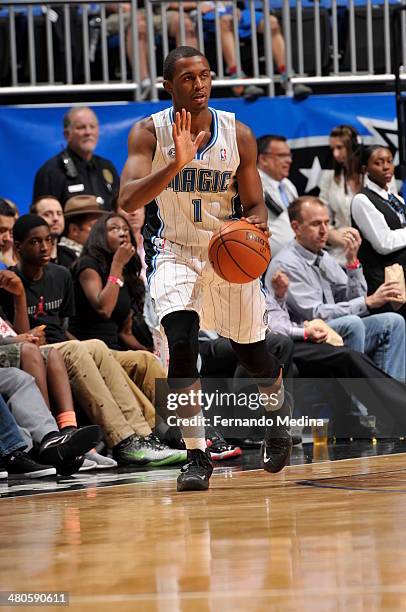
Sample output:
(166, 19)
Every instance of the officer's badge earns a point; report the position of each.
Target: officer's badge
(108, 176)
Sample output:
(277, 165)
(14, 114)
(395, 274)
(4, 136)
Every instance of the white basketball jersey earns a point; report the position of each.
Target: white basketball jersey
(203, 195)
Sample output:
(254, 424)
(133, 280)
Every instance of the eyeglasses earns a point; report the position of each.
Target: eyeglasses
(278, 155)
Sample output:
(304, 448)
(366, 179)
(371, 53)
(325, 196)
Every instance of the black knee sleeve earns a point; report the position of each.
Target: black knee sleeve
(182, 331)
(256, 359)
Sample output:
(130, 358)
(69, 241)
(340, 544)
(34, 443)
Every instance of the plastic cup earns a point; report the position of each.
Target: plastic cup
(320, 432)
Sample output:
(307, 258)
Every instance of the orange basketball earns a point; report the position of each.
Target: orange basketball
(239, 252)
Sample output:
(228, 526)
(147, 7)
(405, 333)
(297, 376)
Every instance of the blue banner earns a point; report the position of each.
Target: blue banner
(31, 135)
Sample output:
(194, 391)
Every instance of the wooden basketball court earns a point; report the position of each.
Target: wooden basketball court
(320, 536)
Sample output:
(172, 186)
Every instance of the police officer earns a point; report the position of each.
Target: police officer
(77, 170)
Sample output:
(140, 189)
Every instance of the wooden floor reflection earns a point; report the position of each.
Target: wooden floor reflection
(323, 536)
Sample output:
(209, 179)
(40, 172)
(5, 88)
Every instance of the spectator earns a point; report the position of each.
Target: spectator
(173, 19)
(274, 162)
(77, 169)
(8, 216)
(338, 186)
(107, 285)
(47, 369)
(136, 219)
(320, 289)
(12, 446)
(380, 216)
(81, 213)
(103, 389)
(113, 28)
(62, 449)
(173, 25)
(314, 358)
(245, 32)
(50, 209)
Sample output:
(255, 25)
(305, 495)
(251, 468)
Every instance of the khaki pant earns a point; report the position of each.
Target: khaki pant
(105, 392)
(143, 370)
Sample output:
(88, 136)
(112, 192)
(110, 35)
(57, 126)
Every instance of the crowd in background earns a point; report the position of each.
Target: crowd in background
(79, 335)
(116, 22)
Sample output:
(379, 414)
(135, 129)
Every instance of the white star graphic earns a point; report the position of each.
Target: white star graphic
(382, 132)
(313, 174)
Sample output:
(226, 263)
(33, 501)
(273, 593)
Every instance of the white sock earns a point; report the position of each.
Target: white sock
(276, 402)
(193, 443)
(195, 435)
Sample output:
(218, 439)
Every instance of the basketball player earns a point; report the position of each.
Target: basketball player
(184, 165)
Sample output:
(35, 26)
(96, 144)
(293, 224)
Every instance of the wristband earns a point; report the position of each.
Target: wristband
(115, 280)
(353, 266)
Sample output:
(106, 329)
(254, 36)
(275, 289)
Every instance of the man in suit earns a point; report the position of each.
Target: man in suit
(274, 162)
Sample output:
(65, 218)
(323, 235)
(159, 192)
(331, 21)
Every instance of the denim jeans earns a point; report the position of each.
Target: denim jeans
(380, 336)
(10, 438)
(27, 405)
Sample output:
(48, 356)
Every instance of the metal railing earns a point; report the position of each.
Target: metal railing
(50, 47)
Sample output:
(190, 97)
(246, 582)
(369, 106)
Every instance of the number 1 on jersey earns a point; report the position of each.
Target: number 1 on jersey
(197, 211)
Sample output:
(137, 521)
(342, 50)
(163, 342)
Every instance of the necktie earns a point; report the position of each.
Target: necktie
(397, 206)
(328, 297)
(283, 194)
(318, 260)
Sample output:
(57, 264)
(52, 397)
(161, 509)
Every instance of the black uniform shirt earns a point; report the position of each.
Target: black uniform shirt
(96, 177)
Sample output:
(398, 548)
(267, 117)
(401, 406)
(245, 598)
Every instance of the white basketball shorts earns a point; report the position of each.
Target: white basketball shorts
(183, 279)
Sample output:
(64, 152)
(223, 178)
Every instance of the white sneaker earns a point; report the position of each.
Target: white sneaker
(102, 462)
(88, 465)
(3, 474)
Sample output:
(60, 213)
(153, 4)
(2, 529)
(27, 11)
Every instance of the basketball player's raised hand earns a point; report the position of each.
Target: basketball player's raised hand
(186, 145)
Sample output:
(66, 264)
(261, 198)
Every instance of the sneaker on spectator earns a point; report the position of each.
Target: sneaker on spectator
(252, 92)
(219, 449)
(128, 452)
(102, 462)
(3, 473)
(88, 465)
(158, 453)
(64, 449)
(238, 90)
(298, 91)
(20, 464)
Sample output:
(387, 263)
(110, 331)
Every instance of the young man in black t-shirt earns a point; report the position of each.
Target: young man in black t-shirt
(50, 209)
(99, 382)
